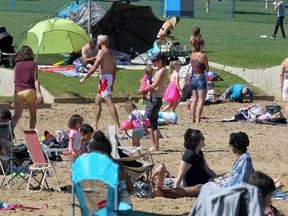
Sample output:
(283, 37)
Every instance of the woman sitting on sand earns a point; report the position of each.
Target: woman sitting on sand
(242, 167)
(194, 139)
(193, 168)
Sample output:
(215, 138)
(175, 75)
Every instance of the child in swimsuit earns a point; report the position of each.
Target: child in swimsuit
(135, 115)
(147, 81)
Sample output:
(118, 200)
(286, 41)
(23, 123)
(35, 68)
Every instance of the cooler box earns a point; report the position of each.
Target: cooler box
(180, 8)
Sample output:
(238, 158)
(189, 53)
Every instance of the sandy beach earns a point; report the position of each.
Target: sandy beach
(268, 149)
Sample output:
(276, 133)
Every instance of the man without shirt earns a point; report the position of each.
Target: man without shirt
(89, 53)
(106, 63)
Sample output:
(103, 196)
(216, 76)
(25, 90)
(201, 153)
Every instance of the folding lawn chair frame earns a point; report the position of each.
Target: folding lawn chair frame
(7, 143)
(135, 172)
(5, 177)
(40, 159)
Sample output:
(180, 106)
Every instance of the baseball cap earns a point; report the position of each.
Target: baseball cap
(158, 56)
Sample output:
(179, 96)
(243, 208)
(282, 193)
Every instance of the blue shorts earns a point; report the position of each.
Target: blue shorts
(139, 132)
(153, 106)
(198, 83)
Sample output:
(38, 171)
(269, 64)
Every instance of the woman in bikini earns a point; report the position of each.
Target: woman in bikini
(154, 104)
(166, 30)
(199, 62)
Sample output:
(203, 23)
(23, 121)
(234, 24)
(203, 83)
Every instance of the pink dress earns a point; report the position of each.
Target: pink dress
(172, 92)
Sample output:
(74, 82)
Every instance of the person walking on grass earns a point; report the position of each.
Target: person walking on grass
(107, 64)
(280, 6)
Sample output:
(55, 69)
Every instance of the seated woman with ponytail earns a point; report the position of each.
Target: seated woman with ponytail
(242, 167)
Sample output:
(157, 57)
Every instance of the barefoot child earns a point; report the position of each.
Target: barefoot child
(173, 91)
(75, 122)
(135, 115)
(146, 81)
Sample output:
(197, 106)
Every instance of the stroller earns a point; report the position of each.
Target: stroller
(6, 48)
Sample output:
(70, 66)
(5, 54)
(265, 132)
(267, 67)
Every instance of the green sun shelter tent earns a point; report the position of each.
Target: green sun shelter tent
(54, 36)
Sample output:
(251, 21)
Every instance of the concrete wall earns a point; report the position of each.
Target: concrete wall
(7, 86)
(6, 82)
(267, 79)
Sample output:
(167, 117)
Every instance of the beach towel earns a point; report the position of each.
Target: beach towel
(6, 207)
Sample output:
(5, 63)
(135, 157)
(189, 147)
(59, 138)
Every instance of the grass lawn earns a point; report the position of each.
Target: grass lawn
(234, 43)
(126, 85)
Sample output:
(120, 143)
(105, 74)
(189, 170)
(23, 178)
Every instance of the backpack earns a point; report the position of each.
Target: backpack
(52, 143)
(53, 156)
(62, 138)
(21, 152)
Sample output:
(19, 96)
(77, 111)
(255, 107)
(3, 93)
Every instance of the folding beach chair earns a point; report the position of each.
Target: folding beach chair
(136, 166)
(5, 135)
(13, 165)
(91, 173)
(41, 162)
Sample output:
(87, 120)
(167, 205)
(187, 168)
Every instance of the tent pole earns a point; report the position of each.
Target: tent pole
(140, 57)
(89, 18)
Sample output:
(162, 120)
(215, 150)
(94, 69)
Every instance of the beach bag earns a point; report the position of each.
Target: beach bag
(276, 114)
(52, 143)
(21, 152)
(273, 108)
(53, 156)
(169, 117)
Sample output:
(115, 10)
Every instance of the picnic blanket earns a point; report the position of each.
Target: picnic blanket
(69, 70)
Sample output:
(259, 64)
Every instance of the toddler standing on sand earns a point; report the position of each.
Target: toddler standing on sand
(173, 91)
(75, 122)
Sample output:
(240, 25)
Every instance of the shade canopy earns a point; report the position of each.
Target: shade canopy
(54, 36)
(131, 29)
